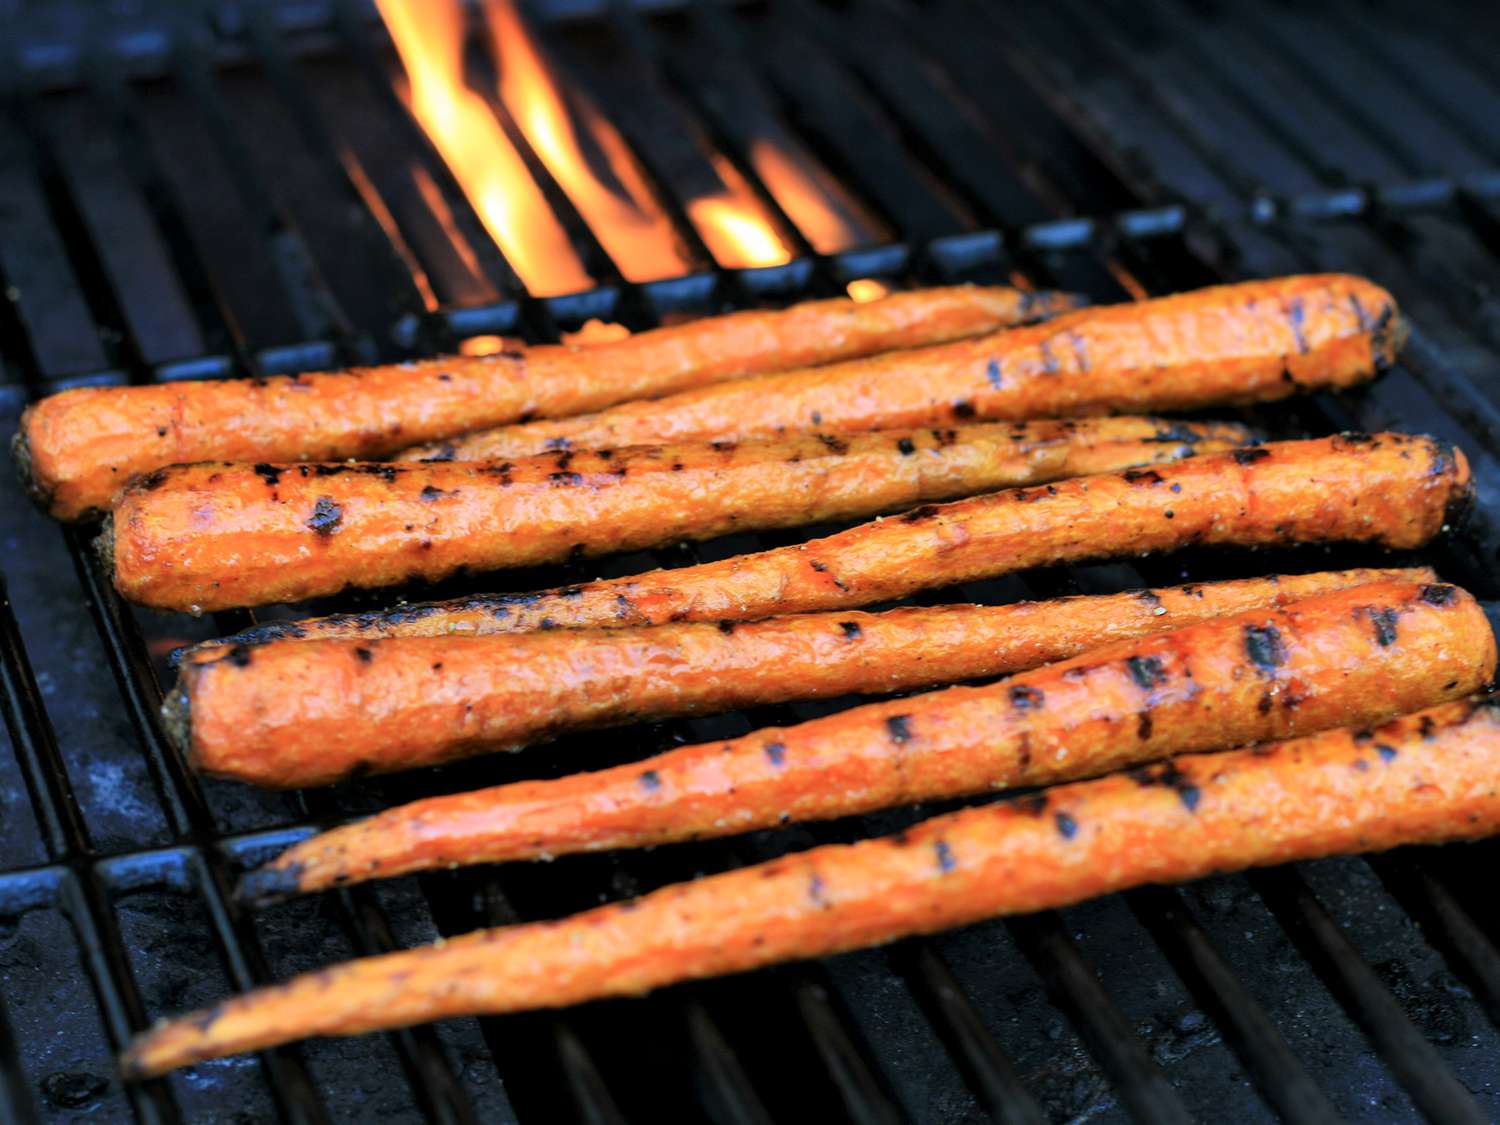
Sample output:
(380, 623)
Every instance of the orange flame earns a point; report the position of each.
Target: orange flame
(734, 225)
(625, 217)
(809, 203)
(429, 37)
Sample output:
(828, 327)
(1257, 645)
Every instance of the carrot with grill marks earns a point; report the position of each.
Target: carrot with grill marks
(416, 701)
(1391, 489)
(1425, 778)
(215, 535)
(1253, 342)
(77, 449)
(1353, 656)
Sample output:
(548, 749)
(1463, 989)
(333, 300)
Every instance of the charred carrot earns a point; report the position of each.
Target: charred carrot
(1390, 489)
(1353, 656)
(215, 535)
(1422, 779)
(1253, 342)
(77, 448)
(416, 701)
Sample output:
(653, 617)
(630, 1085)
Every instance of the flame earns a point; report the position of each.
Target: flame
(625, 217)
(429, 37)
(736, 236)
(734, 225)
(864, 289)
(808, 203)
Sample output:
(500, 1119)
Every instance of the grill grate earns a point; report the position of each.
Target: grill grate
(239, 191)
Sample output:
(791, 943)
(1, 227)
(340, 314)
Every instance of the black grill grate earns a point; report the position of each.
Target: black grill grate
(237, 190)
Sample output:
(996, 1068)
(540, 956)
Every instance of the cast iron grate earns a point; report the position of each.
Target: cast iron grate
(236, 190)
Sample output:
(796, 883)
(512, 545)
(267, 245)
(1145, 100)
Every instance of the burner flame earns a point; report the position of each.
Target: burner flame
(429, 36)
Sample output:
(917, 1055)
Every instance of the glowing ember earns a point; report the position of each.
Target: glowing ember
(486, 345)
(864, 289)
(429, 37)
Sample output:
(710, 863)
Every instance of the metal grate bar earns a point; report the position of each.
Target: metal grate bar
(66, 837)
(852, 136)
(16, 1102)
(188, 811)
(941, 130)
(183, 800)
(403, 275)
(440, 1095)
(1445, 922)
(731, 1096)
(862, 1095)
(1076, 989)
(984, 1062)
(589, 1091)
(313, 304)
(591, 1095)
(1276, 1070)
(1437, 1093)
(117, 104)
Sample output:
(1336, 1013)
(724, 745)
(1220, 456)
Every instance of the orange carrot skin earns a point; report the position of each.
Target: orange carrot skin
(1426, 778)
(1253, 342)
(1391, 489)
(78, 448)
(216, 535)
(1353, 656)
(406, 702)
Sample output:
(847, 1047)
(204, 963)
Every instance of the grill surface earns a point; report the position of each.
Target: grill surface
(239, 191)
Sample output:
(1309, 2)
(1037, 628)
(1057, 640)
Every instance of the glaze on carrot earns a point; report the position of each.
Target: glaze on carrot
(376, 706)
(1390, 489)
(1426, 778)
(216, 535)
(1350, 657)
(1253, 342)
(77, 449)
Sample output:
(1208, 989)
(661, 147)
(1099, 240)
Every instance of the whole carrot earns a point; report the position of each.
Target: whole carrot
(215, 535)
(416, 701)
(77, 448)
(1353, 656)
(1253, 342)
(1391, 489)
(1422, 779)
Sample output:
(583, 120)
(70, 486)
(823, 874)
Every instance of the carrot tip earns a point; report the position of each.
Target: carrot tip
(266, 886)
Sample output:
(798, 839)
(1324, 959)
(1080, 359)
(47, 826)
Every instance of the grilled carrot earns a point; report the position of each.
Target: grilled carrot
(1353, 656)
(1253, 342)
(1421, 779)
(416, 701)
(1390, 489)
(79, 447)
(218, 534)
